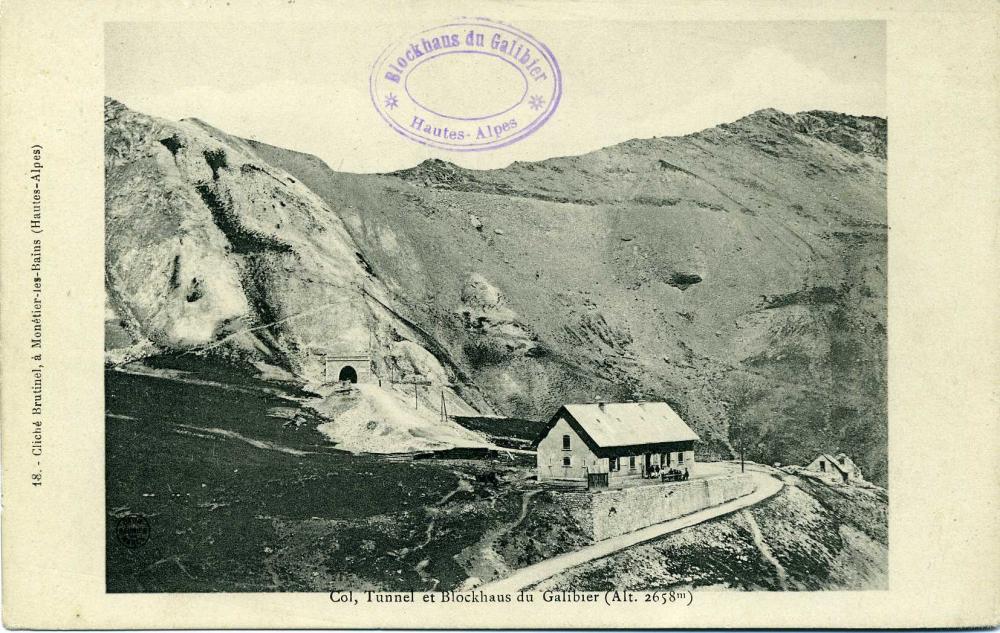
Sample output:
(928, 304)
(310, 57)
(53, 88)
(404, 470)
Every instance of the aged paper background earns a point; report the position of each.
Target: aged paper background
(943, 337)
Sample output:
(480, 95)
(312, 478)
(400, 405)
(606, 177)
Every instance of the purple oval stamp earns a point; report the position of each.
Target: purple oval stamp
(470, 85)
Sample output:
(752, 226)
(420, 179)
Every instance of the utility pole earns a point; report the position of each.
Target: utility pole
(741, 442)
(737, 431)
(416, 381)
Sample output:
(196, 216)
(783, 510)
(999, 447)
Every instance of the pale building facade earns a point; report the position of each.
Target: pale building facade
(840, 468)
(620, 441)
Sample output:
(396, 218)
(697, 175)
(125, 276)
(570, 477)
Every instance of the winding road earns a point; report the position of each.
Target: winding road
(765, 486)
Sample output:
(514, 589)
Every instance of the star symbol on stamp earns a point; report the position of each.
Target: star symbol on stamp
(537, 102)
(391, 101)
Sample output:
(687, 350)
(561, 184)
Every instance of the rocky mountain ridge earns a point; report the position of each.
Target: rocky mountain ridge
(737, 272)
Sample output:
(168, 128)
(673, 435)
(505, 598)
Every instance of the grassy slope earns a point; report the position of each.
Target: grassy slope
(229, 516)
(786, 231)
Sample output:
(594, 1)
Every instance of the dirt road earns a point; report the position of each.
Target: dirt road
(765, 486)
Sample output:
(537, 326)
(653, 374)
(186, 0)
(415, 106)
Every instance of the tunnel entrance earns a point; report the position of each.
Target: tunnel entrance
(348, 374)
(355, 368)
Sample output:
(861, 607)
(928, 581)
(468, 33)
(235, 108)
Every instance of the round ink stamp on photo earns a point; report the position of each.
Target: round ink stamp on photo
(470, 85)
(132, 530)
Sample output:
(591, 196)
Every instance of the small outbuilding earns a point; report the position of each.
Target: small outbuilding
(840, 468)
(608, 443)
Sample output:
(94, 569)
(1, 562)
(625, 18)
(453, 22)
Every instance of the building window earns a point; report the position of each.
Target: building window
(666, 459)
(566, 442)
(567, 461)
(822, 467)
(680, 457)
(613, 464)
(631, 462)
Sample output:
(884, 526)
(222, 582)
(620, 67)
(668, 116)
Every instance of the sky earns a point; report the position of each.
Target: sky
(304, 86)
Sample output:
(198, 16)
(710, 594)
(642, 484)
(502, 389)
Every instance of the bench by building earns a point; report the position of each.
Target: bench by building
(609, 444)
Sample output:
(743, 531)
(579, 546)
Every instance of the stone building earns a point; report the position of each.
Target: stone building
(840, 468)
(609, 444)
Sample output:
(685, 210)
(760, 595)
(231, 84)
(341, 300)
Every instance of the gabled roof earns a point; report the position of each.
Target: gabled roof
(626, 423)
(833, 460)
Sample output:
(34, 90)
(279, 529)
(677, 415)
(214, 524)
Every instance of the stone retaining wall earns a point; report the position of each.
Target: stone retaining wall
(613, 512)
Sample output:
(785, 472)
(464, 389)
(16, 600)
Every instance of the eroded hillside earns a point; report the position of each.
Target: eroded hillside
(213, 253)
(738, 272)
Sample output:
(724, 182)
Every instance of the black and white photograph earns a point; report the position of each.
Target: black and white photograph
(480, 310)
(481, 315)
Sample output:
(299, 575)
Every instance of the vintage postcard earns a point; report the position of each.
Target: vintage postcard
(489, 315)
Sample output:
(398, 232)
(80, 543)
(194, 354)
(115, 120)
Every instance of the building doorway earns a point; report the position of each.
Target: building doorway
(349, 374)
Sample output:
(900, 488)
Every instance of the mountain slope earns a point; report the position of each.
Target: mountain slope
(738, 272)
(213, 252)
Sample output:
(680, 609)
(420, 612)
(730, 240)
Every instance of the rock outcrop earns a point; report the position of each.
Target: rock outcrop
(212, 251)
